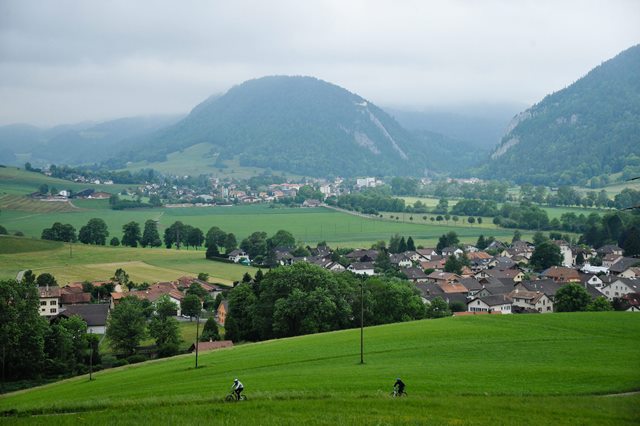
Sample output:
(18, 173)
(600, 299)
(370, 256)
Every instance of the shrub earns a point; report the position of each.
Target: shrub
(136, 358)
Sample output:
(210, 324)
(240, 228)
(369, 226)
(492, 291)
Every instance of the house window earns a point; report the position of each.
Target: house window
(43, 303)
(478, 302)
(53, 310)
(52, 302)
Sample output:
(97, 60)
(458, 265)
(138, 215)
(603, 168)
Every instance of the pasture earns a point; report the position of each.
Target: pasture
(511, 369)
(83, 262)
(309, 226)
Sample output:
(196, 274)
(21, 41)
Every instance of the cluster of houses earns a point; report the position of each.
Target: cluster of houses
(72, 299)
(499, 283)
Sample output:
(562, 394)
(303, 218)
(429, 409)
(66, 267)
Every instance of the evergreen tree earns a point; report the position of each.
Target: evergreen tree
(481, 244)
(130, 234)
(411, 246)
(210, 331)
(402, 247)
(150, 235)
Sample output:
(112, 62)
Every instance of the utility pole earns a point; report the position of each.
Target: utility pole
(197, 337)
(361, 322)
(91, 357)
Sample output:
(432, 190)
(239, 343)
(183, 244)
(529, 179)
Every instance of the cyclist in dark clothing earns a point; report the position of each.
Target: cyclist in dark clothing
(399, 386)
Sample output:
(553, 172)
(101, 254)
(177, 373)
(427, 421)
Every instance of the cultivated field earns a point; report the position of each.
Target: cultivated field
(513, 369)
(309, 226)
(83, 262)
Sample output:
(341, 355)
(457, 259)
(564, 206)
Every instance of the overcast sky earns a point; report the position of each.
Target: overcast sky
(70, 61)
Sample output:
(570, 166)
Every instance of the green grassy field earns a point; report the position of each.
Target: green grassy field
(553, 212)
(199, 159)
(526, 369)
(308, 226)
(85, 262)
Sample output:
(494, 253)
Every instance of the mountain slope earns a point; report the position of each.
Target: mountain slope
(590, 129)
(300, 125)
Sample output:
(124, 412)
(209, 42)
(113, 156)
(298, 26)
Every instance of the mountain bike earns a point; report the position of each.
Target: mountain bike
(232, 397)
(398, 394)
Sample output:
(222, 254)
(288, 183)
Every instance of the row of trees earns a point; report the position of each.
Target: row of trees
(304, 298)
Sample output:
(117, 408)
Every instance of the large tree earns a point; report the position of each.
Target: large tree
(163, 327)
(571, 298)
(94, 232)
(126, 325)
(195, 237)
(215, 236)
(131, 234)
(191, 305)
(150, 235)
(175, 234)
(282, 238)
(545, 255)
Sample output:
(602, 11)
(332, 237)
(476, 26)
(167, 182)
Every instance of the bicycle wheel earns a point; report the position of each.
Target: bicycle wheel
(230, 398)
(243, 397)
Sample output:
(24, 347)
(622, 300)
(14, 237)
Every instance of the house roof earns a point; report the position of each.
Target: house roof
(561, 273)
(94, 314)
(478, 255)
(209, 346)
(453, 287)
(548, 287)
(73, 298)
(49, 291)
(429, 290)
(360, 253)
(446, 276)
(623, 264)
(471, 284)
(494, 300)
(361, 266)
(414, 273)
(503, 273)
(609, 248)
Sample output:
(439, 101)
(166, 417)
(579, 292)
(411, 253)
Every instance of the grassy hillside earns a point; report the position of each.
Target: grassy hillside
(528, 369)
(18, 181)
(85, 262)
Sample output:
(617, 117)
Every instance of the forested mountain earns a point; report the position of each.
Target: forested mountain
(301, 125)
(579, 135)
(74, 144)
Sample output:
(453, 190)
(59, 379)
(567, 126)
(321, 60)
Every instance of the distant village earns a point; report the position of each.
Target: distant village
(492, 284)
